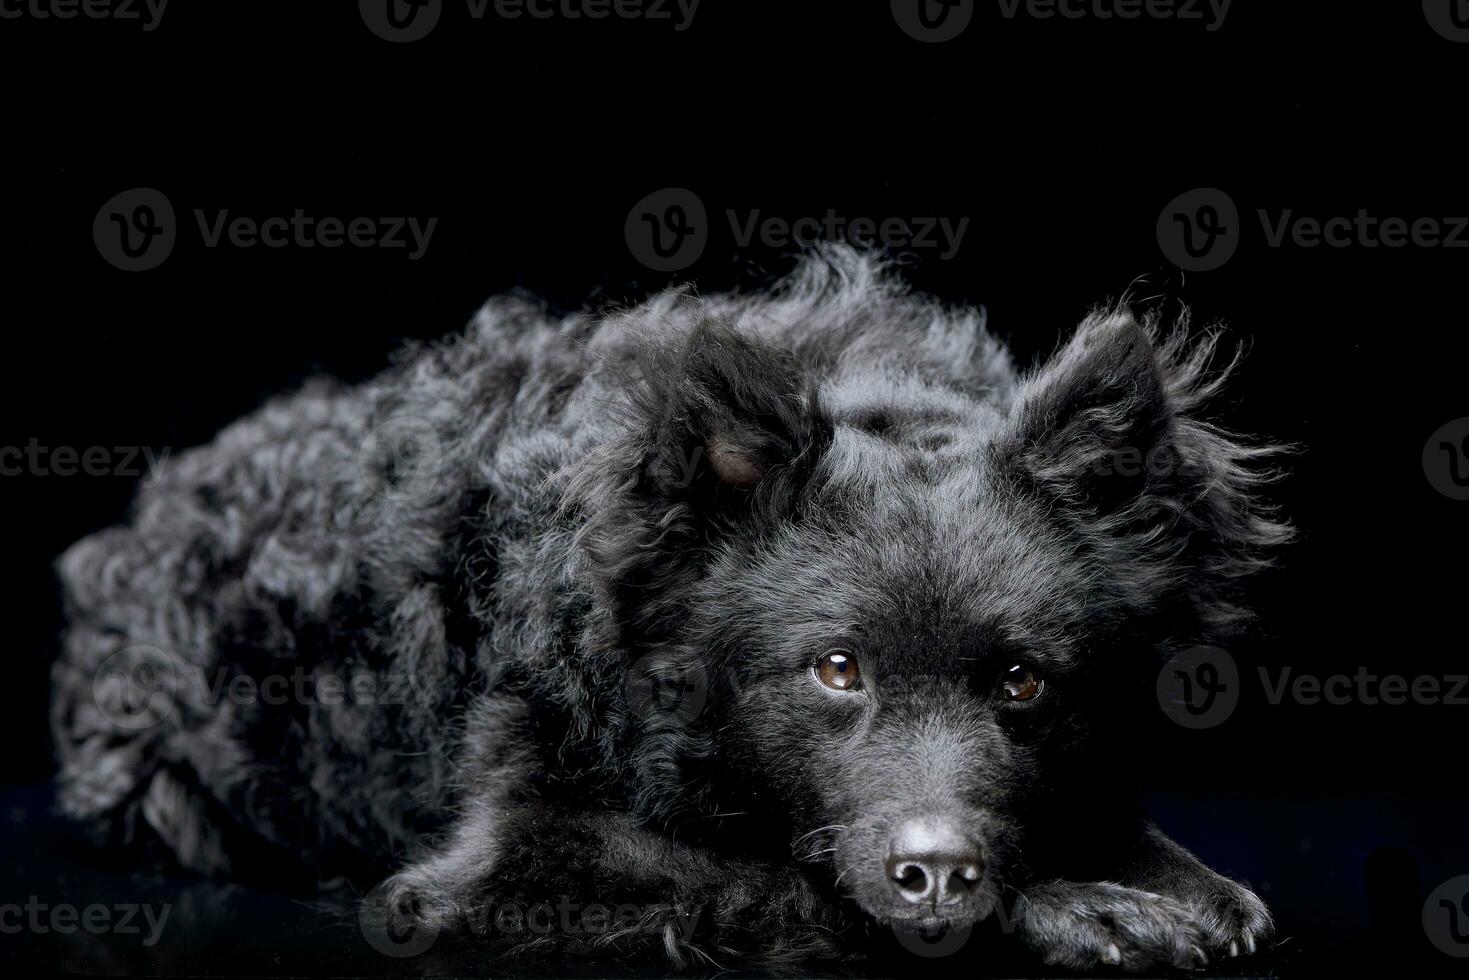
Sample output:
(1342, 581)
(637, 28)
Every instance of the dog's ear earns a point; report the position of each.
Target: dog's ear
(1110, 435)
(729, 427)
(722, 432)
(1093, 422)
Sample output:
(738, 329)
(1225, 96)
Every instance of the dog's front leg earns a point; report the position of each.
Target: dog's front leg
(1077, 925)
(1161, 907)
(1233, 919)
(540, 877)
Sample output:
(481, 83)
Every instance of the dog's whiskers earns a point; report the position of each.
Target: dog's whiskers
(813, 833)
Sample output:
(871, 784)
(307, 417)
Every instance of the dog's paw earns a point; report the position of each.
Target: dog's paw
(1233, 918)
(1078, 926)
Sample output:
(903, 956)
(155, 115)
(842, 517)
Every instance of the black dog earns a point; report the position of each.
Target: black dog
(773, 618)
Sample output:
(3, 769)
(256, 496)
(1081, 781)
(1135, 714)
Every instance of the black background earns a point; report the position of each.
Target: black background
(1061, 141)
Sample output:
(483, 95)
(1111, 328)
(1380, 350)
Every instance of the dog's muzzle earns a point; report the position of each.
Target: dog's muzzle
(934, 865)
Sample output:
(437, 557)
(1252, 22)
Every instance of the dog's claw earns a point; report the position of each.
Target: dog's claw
(1201, 958)
(1250, 942)
(1234, 947)
(1112, 955)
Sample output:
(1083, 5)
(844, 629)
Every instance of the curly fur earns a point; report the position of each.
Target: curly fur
(652, 490)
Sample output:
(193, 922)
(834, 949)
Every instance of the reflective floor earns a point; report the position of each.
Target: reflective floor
(1347, 879)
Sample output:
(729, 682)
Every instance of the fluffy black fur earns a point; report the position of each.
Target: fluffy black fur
(588, 567)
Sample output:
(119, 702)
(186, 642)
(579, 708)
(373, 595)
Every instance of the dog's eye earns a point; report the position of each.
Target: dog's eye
(1020, 683)
(837, 669)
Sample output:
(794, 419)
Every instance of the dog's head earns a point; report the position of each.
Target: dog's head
(903, 610)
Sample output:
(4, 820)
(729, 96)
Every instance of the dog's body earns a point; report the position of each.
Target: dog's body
(576, 610)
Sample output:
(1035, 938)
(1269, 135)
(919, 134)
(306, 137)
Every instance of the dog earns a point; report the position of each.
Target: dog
(786, 619)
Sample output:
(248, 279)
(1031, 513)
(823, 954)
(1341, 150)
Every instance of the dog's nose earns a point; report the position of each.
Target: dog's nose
(932, 861)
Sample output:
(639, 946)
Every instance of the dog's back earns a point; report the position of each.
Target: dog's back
(322, 536)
